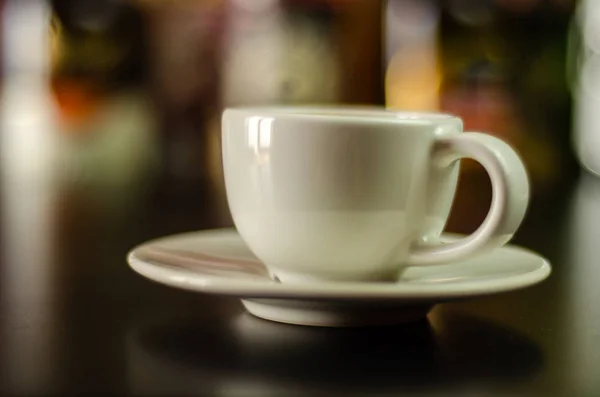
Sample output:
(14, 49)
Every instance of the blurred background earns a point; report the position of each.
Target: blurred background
(114, 105)
(110, 135)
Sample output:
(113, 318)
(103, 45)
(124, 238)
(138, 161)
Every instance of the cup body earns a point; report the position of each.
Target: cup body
(335, 193)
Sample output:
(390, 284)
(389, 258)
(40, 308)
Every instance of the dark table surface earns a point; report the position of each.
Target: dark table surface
(74, 319)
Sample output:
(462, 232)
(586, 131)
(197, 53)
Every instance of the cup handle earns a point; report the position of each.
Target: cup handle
(510, 196)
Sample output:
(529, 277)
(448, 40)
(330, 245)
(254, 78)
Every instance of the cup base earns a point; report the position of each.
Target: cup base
(285, 277)
(323, 314)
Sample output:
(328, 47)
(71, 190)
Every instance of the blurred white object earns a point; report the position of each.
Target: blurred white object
(581, 287)
(27, 112)
(28, 199)
(585, 60)
(271, 56)
(26, 38)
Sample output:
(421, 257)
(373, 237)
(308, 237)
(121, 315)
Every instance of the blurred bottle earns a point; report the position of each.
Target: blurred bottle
(276, 55)
(207, 55)
(295, 52)
(184, 48)
(98, 74)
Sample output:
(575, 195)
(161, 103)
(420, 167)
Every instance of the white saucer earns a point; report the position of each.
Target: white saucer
(219, 262)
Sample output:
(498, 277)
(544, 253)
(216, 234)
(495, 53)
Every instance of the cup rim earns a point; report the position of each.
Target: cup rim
(343, 112)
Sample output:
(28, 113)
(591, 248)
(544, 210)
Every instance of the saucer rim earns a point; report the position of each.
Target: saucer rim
(260, 287)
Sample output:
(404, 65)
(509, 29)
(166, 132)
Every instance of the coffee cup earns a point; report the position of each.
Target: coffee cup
(359, 193)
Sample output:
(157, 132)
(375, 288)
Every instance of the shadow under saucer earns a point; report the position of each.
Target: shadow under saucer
(263, 357)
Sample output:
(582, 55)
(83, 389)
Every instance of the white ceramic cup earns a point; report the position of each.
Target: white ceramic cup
(356, 194)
